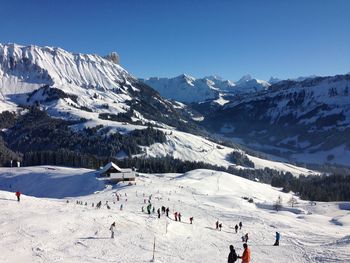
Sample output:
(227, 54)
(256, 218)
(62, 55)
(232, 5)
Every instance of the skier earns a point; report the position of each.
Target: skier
(167, 211)
(158, 211)
(232, 257)
(240, 225)
(245, 238)
(246, 254)
(175, 214)
(112, 228)
(18, 194)
(149, 209)
(163, 209)
(179, 215)
(220, 226)
(98, 205)
(121, 207)
(236, 228)
(191, 220)
(217, 225)
(277, 242)
(154, 209)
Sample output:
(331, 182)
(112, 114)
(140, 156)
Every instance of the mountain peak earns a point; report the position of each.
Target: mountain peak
(113, 57)
(274, 80)
(214, 78)
(245, 78)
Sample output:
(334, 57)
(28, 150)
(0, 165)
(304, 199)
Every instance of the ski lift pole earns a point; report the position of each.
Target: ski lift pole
(154, 248)
(166, 226)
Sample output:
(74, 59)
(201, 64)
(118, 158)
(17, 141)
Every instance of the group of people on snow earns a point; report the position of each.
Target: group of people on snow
(240, 227)
(232, 256)
(218, 225)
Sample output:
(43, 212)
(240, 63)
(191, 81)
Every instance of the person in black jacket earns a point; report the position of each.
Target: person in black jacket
(232, 257)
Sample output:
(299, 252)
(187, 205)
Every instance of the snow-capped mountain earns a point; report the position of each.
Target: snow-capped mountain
(184, 88)
(74, 86)
(247, 84)
(307, 120)
(221, 84)
(187, 89)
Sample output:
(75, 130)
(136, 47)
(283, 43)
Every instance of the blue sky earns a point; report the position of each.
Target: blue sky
(281, 38)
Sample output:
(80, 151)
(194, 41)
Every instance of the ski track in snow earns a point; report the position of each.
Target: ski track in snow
(51, 230)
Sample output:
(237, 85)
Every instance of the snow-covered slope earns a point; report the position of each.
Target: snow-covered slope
(194, 148)
(51, 181)
(90, 79)
(26, 68)
(52, 230)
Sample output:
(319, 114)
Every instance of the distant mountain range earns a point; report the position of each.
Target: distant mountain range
(187, 89)
(303, 120)
(306, 119)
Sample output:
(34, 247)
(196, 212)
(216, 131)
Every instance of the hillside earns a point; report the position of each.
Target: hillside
(304, 121)
(80, 233)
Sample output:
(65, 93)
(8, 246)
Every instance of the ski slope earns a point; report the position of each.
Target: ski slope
(185, 146)
(52, 230)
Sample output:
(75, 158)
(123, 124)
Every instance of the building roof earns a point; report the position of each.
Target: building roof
(109, 166)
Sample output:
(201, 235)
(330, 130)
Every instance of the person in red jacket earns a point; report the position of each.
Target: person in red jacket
(18, 194)
(246, 254)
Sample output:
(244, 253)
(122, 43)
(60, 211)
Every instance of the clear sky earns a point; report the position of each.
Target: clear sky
(281, 38)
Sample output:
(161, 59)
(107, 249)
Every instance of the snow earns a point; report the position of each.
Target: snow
(221, 101)
(340, 156)
(194, 148)
(48, 181)
(52, 230)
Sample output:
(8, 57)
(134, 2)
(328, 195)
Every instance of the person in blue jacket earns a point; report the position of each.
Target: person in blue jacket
(277, 242)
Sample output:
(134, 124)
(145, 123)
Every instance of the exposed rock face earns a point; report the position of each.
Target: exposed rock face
(114, 57)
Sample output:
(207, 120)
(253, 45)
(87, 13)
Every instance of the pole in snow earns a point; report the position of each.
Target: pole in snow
(166, 226)
(154, 248)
